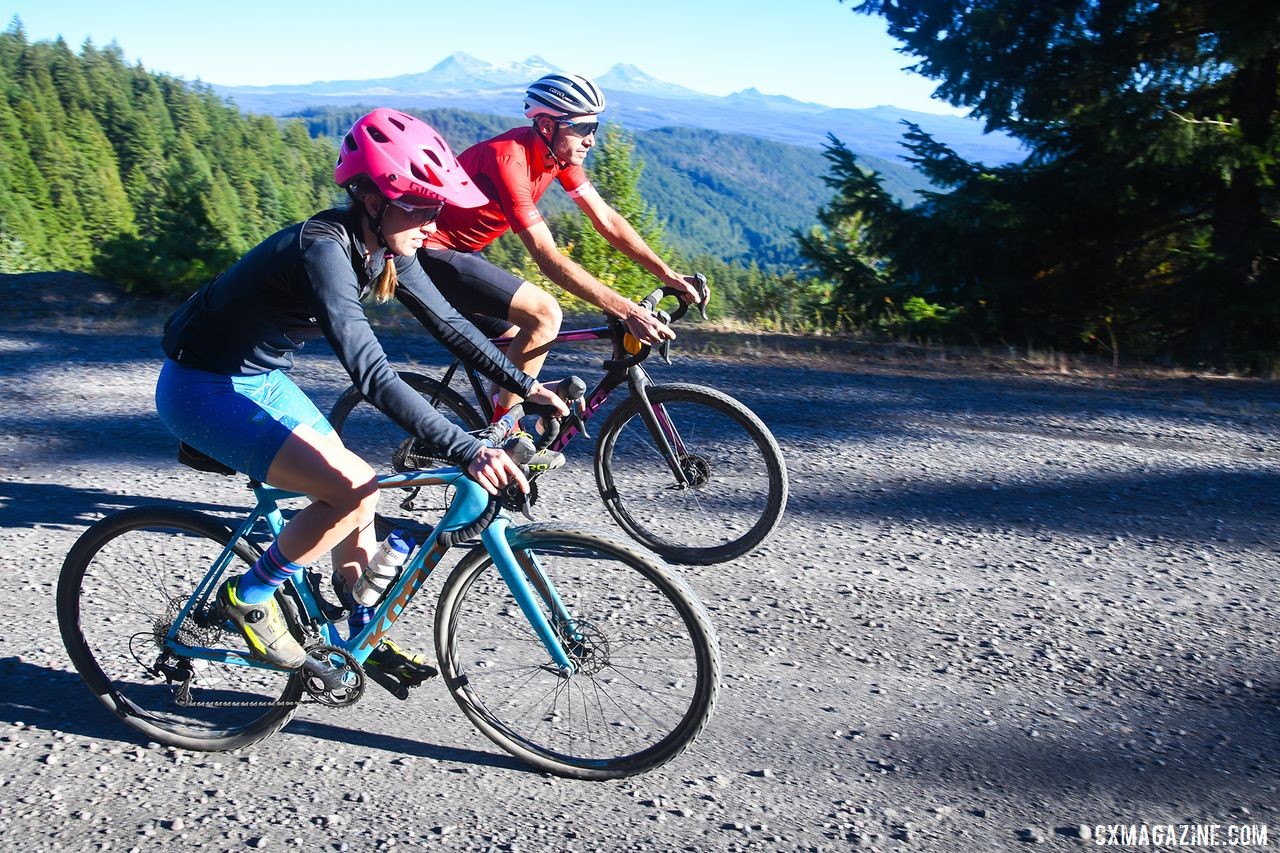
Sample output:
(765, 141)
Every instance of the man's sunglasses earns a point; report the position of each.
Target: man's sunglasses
(420, 214)
(582, 128)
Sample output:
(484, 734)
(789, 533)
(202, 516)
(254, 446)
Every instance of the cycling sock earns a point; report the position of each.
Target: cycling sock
(260, 583)
(360, 616)
(499, 411)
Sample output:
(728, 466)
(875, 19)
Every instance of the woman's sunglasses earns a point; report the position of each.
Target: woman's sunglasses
(420, 214)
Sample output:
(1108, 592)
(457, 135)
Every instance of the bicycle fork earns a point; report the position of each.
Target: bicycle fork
(661, 430)
(529, 583)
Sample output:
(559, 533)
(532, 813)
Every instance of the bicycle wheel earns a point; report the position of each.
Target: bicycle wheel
(120, 589)
(648, 667)
(374, 437)
(737, 478)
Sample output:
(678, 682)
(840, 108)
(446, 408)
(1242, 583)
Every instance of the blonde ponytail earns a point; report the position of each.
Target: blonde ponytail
(385, 287)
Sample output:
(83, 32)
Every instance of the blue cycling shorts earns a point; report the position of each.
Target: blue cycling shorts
(241, 421)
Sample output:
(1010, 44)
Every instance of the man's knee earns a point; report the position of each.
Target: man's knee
(537, 312)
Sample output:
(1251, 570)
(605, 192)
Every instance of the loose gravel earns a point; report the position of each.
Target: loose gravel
(1005, 607)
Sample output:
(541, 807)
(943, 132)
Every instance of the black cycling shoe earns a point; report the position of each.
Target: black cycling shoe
(410, 668)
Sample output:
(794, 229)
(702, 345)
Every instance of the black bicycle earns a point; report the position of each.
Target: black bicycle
(686, 470)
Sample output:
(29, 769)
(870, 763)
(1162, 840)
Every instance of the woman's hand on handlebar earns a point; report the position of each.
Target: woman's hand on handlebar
(493, 468)
(548, 397)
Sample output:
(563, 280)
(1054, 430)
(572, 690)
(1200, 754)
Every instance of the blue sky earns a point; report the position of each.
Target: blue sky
(813, 50)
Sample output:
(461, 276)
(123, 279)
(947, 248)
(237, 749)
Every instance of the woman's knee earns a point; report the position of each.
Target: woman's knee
(326, 471)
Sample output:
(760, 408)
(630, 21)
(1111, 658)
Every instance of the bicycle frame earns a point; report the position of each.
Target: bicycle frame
(522, 574)
(617, 370)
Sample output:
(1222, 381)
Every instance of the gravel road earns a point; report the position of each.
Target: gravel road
(1005, 607)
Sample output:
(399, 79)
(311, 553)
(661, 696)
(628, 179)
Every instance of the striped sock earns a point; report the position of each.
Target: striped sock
(260, 583)
(360, 616)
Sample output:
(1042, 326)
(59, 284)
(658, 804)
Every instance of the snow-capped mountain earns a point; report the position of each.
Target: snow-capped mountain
(637, 101)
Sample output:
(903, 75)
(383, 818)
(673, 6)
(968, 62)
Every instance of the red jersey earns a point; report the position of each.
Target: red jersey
(512, 170)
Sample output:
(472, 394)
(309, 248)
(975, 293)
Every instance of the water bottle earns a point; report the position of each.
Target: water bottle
(383, 569)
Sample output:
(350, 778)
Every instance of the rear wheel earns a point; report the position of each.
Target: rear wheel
(122, 586)
(376, 439)
(646, 663)
(735, 480)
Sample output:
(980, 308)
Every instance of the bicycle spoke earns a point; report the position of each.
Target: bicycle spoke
(121, 582)
(640, 682)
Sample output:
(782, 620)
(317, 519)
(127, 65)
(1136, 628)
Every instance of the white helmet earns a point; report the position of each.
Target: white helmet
(563, 96)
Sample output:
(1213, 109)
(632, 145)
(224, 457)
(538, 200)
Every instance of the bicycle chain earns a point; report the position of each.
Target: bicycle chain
(307, 700)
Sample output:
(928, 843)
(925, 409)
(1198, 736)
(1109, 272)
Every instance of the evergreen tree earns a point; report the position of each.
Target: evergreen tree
(615, 174)
(1146, 211)
(144, 178)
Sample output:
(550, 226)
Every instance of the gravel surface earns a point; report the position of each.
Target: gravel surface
(1003, 608)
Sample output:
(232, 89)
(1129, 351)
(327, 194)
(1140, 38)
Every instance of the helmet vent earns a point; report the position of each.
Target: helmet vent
(396, 122)
(349, 142)
(422, 176)
(377, 135)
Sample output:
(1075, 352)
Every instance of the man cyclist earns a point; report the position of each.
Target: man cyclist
(513, 170)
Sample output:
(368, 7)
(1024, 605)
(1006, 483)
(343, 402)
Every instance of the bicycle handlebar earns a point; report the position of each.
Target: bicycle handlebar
(651, 301)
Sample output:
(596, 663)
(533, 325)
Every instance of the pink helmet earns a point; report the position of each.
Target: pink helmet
(404, 156)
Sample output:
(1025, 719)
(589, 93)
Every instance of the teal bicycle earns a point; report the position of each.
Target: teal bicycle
(583, 655)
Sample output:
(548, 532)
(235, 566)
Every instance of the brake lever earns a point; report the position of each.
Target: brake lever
(704, 293)
(512, 498)
(664, 347)
(576, 409)
(520, 450)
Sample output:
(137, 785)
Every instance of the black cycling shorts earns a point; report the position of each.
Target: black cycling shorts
(481, 291)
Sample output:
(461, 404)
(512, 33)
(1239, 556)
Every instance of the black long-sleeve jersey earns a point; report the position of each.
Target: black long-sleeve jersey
(307, 280)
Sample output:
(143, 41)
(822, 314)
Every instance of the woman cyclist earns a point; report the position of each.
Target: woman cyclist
(224, 391)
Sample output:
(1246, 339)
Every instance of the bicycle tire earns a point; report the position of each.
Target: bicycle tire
(646, 684)
(739, 476)
(376, 437)
(120, 587)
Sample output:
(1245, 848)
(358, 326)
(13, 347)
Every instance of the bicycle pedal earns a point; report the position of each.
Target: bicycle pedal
(389, 683)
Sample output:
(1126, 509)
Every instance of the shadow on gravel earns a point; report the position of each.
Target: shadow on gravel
(405, 746)
(1217, 757)
(1192, 504)
(28, 505)
(57, 700)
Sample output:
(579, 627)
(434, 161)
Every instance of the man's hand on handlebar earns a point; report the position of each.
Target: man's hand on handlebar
(493, 468)
(686, 287)
(646, 327)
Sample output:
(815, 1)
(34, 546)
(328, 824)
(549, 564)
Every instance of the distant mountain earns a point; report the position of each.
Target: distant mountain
(638, 102)
(628, 78)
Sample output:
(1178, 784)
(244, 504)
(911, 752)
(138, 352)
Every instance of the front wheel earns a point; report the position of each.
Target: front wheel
(646, 663)
(122, 585)
(734, 487)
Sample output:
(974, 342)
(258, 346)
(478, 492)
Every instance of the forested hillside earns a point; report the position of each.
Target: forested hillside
(143, 178)
(737, 198)
(1145, 220)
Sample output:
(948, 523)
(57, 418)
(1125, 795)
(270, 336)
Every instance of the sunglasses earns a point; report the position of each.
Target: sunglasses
(420, 214)
(581, 128)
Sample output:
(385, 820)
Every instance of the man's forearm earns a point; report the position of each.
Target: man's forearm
(623, 236)
(573, 278)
